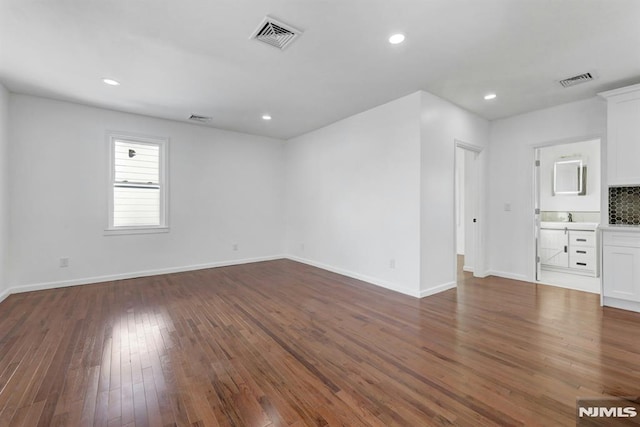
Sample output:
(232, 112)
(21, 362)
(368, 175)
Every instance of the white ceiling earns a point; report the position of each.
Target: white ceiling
(178, 57)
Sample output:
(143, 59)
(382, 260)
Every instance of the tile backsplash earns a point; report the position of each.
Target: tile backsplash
(624, 205)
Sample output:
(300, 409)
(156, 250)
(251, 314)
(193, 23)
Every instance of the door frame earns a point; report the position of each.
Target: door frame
(478, 256)
(535, 218)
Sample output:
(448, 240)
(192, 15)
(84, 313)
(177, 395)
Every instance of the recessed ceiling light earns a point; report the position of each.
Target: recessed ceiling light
(111, 82)
(266, 117)
(490, 96)
(396, 39)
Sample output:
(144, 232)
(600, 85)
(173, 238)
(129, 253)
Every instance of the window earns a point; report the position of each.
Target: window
(138, 184)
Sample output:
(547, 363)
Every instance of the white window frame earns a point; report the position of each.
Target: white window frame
(163, 145)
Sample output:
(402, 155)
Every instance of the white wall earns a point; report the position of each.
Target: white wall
(353, 195)
(589, 151)
(225, 188)
(364, 193)
(378, 188)
(442, 124)
(4, 190)
(510, 242)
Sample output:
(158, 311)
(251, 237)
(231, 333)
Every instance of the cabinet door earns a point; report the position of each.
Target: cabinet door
(623, 143)
(621, 272)
(554, 248)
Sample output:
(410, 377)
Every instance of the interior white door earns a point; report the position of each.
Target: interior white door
(459, 188)
(536, 213)
(471, 208)
(472, 177)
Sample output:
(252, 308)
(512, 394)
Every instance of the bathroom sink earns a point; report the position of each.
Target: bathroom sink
(561, 225)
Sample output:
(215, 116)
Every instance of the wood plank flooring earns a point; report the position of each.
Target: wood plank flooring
(283, 344)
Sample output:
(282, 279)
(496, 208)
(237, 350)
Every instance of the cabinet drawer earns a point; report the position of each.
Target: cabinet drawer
(616, 238)
(582, 238)
(583, 262)
(582, 252)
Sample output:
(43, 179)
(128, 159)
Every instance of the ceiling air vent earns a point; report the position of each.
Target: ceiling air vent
(275, 33)
(198, 118)
(576, 80)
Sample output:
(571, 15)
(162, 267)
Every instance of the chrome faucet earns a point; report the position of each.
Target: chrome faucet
(569, 217)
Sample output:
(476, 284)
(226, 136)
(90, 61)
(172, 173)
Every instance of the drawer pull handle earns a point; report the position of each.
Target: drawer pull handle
(581, 240)
(582, 263)
(581, 252)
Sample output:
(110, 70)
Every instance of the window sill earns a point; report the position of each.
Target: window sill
(134, 230)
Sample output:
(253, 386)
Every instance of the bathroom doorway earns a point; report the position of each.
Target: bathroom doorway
(567, 201)
(467, 204)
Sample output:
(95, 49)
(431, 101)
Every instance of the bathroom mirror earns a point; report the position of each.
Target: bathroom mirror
(569, 177)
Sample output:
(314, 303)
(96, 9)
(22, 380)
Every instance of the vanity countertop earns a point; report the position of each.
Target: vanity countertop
(557, 225)
(621, 227)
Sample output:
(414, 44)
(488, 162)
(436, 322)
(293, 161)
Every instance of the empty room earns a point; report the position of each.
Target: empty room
(323, 213)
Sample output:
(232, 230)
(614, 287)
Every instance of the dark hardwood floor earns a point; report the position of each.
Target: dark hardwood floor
(281, 343)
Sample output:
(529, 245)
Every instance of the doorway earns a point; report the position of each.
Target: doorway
(467, 204)
(567, 202)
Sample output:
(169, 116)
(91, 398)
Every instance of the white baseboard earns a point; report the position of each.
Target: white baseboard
(508, 275)
(567, 286)
(132, 275)
(374, 281)
(622, 304)
(481, 275)
(109, 278)
(467, 269)
(563, 279)
(4, 295)
(437, 289)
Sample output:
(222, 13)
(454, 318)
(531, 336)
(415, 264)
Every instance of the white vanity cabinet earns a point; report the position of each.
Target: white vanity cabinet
(583, 251)
(569, 248)
(623, 135)
(621, 268)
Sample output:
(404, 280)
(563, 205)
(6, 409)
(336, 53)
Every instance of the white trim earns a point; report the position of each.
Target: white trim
(564, 141)
(4, 295)
(467, 146)
(467, 268)
(135, 230)
(601, 265)
(507, 275)
(603, 188)
(479, 235)
(437, 289)
(378, 282)
(619, 91)
(163, 144)
(481, 275)
(621, 304)
(144, 273)
(563, 286)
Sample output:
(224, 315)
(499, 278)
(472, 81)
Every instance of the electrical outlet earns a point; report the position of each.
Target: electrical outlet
(64, 262)
(392, 263)
(507, 207)
(301, 247)
(235, 246)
